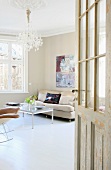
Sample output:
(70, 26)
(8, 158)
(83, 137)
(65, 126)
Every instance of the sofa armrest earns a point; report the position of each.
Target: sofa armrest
(72, 103)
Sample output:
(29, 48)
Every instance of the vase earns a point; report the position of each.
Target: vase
(29, 106)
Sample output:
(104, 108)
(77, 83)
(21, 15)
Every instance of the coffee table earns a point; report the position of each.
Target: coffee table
(33, 110)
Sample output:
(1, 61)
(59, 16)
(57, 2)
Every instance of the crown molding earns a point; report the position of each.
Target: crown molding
(43, 33)
(58, 31)
(6, 32)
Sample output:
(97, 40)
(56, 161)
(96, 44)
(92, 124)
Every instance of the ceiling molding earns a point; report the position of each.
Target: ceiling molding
(44, 33)
(58, 31)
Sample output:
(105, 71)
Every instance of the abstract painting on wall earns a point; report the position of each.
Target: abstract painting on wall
(65, 71)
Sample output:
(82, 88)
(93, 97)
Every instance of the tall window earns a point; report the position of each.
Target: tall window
(12, 70)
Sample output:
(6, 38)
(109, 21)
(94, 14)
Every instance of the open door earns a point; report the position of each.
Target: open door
(93, 111)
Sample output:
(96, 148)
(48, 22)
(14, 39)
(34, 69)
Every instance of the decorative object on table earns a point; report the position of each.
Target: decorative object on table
(29, 38)
(31, 99)
(12, 104)
(65, 71)
(39, 107)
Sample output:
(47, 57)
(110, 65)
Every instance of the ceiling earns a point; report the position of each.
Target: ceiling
(56, 17)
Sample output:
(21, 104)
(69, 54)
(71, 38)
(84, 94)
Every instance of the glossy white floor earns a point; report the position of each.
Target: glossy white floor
(46, 147)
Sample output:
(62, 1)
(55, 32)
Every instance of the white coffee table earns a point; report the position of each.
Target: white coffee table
(33, 110)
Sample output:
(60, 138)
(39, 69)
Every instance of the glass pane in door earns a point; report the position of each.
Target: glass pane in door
(83, 6)
(90, 2)
(17, 78)
(101, 79)
(91, 33)
(90, 84)
(4, 76)
(101, 27)
(83, 38)
(82, 84)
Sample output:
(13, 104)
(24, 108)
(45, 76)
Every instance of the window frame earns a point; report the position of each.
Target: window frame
(86, 59)
(10, 40)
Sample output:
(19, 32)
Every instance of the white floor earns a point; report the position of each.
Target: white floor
(46, 147)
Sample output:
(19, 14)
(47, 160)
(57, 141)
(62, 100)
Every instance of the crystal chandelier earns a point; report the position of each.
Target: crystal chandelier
(29, 38)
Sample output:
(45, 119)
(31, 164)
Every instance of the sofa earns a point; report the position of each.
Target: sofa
(62, 107)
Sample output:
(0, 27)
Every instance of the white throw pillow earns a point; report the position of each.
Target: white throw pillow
(67, 100)
(41, 97)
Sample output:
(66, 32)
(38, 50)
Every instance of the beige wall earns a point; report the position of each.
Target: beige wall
(42, 66)
(36, 70)
(54, 46)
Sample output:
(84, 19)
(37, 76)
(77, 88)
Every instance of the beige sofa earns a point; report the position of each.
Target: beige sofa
(65, 107)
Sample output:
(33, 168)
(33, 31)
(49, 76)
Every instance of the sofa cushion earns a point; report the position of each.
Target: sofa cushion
(65, 108)
(52, 98)
(66, 100)
(41, 96)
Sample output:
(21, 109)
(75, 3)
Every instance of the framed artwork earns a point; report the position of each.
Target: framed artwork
(65, 71)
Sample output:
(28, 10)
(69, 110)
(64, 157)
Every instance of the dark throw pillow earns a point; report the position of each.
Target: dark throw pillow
(52, 98)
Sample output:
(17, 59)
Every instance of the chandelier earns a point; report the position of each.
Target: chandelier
(29, 38)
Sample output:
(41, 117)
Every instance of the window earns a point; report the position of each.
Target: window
(12, 69)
